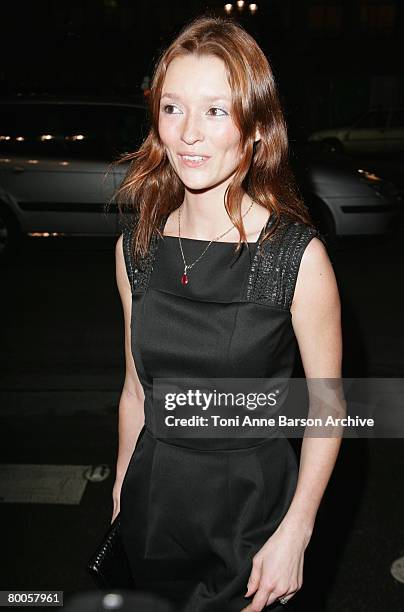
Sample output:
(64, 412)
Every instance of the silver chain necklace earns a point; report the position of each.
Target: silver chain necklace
(184, 277)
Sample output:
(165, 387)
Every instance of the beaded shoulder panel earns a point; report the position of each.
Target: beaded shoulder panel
(138, 270)
(273, 273)
(276, 262)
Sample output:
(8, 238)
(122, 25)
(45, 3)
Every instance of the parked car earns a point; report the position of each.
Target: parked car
(379, 130)
(54, 156)
(345, 198)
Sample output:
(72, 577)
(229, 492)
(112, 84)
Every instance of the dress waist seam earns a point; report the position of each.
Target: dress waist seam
(195, 449)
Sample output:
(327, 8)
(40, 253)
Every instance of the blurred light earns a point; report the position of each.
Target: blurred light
(370, 176)
(75, 137)
(112, 601)
(5, 137)
(45, 234)
(46, 137)
(228, 8)
(20, 138)
(253, 8)
(5, 160)
(33, 161)
(63, 163)
(240, 4)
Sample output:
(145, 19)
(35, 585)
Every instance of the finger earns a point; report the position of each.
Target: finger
(272, 597)
(301, 572)
(260, 599)
(285, 598)
(276, 595)
(254, 579)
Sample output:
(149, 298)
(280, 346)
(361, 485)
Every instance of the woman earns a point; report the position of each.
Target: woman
(219, 274)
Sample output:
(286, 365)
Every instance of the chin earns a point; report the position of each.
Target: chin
(196, 184)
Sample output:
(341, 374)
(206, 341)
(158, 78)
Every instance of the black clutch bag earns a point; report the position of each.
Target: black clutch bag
(109, 565)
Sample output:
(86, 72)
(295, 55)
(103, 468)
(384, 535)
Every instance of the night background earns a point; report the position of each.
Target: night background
(62, 335)
(332, 59)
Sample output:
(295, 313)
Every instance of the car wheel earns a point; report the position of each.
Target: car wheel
(332, 145)
(9, 232)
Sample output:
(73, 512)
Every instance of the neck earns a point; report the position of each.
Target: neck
(203, 214)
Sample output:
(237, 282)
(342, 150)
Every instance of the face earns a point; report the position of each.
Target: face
(195, 121)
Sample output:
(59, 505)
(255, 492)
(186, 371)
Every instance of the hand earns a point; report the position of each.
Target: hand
(116, 497)
(277, 568)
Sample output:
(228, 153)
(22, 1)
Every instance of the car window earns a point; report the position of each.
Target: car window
(397, 118)
(373, 119)
(72, 130)
(103, 131)
(86, 131)
(6, 130)
(30, 129)
(129, 127)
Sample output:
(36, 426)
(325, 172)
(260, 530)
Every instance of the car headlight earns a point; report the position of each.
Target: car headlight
(369, 176)
(381, 186)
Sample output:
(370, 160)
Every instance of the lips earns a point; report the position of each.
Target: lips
(193, 160)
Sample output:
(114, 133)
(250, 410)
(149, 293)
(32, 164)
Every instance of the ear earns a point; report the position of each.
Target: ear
(257, 135)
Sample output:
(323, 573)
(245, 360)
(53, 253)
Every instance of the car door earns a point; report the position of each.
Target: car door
(368, 134)
(395, 131)
(54, 169)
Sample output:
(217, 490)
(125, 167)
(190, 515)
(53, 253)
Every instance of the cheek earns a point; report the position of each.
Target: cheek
(167, 131)
(226, 138)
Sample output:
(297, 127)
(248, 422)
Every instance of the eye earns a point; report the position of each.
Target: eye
(170, 109)
(220, 112)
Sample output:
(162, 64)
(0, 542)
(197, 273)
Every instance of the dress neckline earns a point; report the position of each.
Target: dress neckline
(205, 241)
(254, 243)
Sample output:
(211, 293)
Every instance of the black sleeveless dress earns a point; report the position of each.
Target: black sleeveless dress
(193, 511)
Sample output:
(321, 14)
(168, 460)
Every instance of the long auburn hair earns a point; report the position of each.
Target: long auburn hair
(151, 189)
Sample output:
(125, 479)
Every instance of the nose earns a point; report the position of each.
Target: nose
(191, 129)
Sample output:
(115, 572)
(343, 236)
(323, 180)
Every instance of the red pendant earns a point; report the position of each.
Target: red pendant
(184, 279)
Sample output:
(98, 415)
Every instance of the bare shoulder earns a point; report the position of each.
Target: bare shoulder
(316, 289)
(119, 248)
(120, 267)
(132, 384)
(316, 313)
(315, 258)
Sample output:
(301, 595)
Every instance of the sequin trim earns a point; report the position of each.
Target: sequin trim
(138, 271)
(276, 262)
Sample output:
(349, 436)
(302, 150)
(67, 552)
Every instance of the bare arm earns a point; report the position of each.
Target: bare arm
(277, 569)
(131, 403)
(316, 319)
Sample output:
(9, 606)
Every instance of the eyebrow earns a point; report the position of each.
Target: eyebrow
(174, 96)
